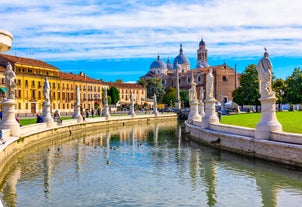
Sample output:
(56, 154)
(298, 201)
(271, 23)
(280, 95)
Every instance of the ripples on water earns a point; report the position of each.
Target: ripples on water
(144, 166)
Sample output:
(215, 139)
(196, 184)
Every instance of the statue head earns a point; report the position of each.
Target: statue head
(9, 66)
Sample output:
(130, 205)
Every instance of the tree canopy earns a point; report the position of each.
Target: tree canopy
(293, 89)
(114, 94)
(248, 91)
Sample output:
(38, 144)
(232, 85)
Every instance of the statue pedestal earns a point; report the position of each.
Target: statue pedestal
(201, 109)
(106, 113)
(76, 114)
(268, 122)
(210, 116)
(46, 114)
(132, 112)
(8, 117)
(194, 115)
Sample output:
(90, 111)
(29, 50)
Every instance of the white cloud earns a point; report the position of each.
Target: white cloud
(117, 29)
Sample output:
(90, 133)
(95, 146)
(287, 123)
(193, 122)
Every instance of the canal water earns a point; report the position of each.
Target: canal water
(144, 165)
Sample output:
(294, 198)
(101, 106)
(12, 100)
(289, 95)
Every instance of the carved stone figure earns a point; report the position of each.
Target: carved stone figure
(210, 85)
(264, 69)
(46, 89)
(192, 91)
(201, 94)
(10, 81)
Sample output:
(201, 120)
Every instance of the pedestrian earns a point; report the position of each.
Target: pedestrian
(39, 119)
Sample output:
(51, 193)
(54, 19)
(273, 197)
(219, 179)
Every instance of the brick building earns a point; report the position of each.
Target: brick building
(226, 79)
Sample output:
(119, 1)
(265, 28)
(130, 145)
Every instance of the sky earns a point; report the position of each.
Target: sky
(119, 39)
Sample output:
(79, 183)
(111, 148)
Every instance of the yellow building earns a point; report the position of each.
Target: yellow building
(125, 89)
(30, 74)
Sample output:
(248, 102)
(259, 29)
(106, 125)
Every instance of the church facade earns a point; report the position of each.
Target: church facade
(225, 77)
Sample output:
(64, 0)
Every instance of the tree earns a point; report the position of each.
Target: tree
(184, 97)
(293, 91)
(154, 86)
(248, 91)
(114, 94)
(170, 96)
(279, 88)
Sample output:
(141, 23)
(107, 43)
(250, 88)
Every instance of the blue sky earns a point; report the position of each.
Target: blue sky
(119, 39)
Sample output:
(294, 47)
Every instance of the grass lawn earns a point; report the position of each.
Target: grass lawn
(290, 121)
(28, 121)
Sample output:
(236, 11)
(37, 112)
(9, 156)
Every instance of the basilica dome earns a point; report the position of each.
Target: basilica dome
(158, 64)
(181, 58)
(169, 65)
(202, 64)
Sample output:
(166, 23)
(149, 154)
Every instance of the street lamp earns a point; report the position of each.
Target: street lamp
(280, 102)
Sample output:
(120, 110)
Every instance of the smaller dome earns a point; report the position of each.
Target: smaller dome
(158, 64)
(202, 42)
(202, 64)
(169, 65)
(177, 66)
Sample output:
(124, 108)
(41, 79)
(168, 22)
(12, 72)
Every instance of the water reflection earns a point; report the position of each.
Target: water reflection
(144, 165)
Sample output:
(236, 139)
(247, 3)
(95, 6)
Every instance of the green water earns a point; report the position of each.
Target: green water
(144, 165)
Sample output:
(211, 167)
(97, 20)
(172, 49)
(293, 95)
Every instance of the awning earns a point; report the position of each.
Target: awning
(3, 89)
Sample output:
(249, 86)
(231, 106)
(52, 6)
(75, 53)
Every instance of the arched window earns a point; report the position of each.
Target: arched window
(199, 79)
(224, 78)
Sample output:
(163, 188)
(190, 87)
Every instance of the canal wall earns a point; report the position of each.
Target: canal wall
(283, 148)
(36, 134)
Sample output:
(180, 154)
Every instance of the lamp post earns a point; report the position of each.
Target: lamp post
(281, 97)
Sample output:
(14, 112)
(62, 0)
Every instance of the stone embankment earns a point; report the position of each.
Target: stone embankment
(281, 147)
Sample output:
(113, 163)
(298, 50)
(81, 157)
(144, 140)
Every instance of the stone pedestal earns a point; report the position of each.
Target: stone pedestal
(9, 118)
(46, 114)
(106, 112)
(210, 116)
(132, 112)
(77, 114)
(268, 122)
(194, 115)
(201, 109)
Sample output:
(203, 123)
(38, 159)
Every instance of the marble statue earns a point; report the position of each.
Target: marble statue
(10, 81)
(210, 85)
(154, 100)
(46, 89)
(264, 69)
(192, 91)
(201, 94)
(105, 97)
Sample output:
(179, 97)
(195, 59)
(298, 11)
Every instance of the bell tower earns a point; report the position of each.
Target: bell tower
(202, 52)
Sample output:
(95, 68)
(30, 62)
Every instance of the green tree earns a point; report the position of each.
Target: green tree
(184, 97)
(279, 88)
(293, 91)
(114, 94)
(154, 86)
(170, 96)
(248, 93)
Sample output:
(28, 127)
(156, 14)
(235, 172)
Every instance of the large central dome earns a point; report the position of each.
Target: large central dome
(181, 58)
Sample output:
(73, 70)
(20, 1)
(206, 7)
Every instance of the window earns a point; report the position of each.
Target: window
(199, 79)
(26, 106)
(224, 78)
(33, 94)
(26, 82)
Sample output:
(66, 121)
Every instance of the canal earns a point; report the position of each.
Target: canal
(143, 165)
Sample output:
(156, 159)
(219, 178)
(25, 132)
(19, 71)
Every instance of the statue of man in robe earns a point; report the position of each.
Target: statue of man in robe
(46, 89)
(210, 85)
(265, 69)
(10, 84)
(201, 94)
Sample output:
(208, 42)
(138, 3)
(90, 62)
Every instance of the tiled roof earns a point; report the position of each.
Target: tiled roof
(125, 85)
(28, 61)
(78, 77)
(2, 69)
